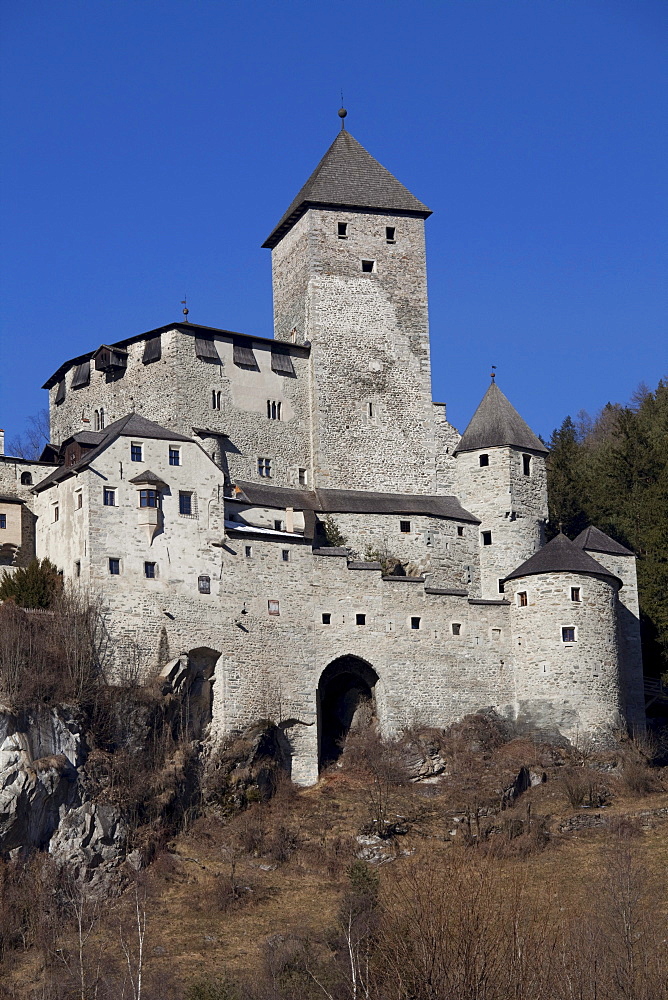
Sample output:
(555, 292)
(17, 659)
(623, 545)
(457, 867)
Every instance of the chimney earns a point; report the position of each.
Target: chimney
(2, 441)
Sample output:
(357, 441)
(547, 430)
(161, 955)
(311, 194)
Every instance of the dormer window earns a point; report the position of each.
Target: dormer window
(342, 230)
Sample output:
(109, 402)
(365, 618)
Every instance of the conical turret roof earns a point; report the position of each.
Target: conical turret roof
(349, 177)
(594, 540)
(495, 423)
(561, 555)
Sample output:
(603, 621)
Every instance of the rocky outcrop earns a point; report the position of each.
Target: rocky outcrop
(90, 840)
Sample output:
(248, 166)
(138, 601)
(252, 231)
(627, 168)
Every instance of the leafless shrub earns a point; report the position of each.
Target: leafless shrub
(583, 787)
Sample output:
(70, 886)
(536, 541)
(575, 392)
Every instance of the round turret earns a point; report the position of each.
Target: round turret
(565, 651)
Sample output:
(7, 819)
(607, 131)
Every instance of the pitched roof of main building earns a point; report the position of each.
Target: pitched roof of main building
(348, 177)
(495, 423)
(561, 555)
(594, 540)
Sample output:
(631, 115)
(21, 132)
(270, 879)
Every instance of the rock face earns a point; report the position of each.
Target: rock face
(90, 837)
(40, 752)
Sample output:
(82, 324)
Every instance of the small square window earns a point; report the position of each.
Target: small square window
(248, 552)
(185, 504)
(526, 465)
(273, 607)
(415, 622)
(109, 497)
(56, 513)
(486, 537)
(303, 477)
(278, 525)
(136, 452)
(522, 599)
(575, 595)
(360, 619)
(502, 586)
(368, 266)
(79, 500)
(405, 527)
(460, 531)
(149, 498)
(285, 555)
(326, 618)
(174, 456)
(204, 584)
(484, 461)
(342, 230)
(3, 520)
(115, 567)
(390, 233)
(456, 628)
(149, 570)
(568, 633)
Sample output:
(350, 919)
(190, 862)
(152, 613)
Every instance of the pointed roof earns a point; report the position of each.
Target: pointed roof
(594, 540)
(496, 422)
(348, 177)
(561, 555)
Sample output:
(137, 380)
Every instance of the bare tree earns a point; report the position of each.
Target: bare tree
(30, 443)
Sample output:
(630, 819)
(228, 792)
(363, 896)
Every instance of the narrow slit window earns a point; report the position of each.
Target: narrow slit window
(415, 622)
(77, 568)
(522, 599)
(390, 234)
(285, 555)
(326, 618)
(56, 513)
(360, 619)
(368, 266)
(502, 586)
(248, 552)
(526, 465)
(216, 396)
(486, 537)
(484, 461)
(342, 230)
(79, 504)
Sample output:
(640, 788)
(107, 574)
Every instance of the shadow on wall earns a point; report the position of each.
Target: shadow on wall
(345, 694)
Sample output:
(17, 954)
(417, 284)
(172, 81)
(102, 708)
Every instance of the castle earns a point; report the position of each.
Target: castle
(292, 529)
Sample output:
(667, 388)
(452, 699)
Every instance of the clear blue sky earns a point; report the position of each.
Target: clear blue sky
(150, 146)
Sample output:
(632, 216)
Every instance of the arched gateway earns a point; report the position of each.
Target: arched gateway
(346, 687)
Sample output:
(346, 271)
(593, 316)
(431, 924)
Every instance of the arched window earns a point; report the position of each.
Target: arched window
(101, 418)
(26, 479)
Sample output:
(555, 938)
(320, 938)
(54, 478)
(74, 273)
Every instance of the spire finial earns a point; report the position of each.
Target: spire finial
(184, 303)
(342, 113)
(493, 374)
(561, 527)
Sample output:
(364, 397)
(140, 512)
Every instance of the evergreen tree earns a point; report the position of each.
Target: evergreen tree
(33, 586)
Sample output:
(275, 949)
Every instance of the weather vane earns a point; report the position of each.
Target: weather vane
(493, 373)
(342, 112)
(184, 303)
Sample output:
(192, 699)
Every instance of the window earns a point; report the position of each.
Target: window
(136, 452)
(502, 586)
(415, 622)
(285, 555)
(273, 607)
(342, 230)
(522, 599)
(77, 568)
(370, 412)
(185, 504)
(484, 461)
(79, 500)
(248, 552)
(114, 566)
(303, 477)
(460, 531)
(149, 498)
(215, 399)
(326, 618)
(56, 513)
(568, 633)
(405, 527)
(109, 497)
(575, 595)
(456, 628)
(486, 537)
(3, 520)
(101, 418)
(26, 479)
(278, 525)
(149, 570)
(273, 409)
(526, 465)
(368, 266)
(174, 456)
(264, 467)
(390, 232)
(360, 619)
(496, 634)
(204, 584)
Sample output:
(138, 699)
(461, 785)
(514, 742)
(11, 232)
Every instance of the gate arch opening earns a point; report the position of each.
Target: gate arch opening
(345, 692)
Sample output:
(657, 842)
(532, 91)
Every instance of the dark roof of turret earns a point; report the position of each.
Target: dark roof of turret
(496, 422)
(594, 540)
(349, 177)
(561, 555)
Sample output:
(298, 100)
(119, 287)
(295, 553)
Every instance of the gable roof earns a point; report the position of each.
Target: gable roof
(561, 555)
(496, 422)
(594, 540)
(348, 177)
(353, 502)
(131, 425)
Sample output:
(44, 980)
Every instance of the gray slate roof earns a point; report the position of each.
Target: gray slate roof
(353, 502)
(349, 177)
(148, 477)
(131, 425)
(495, 423)
(594, 540)
(561, 555)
